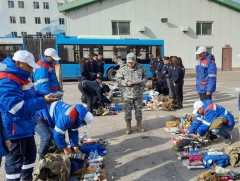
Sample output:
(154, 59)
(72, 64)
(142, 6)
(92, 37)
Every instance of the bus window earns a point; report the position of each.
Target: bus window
(85, 51)
(120, 51)
(66, 52)
(108, 52)
(9, 50)
(142, 54)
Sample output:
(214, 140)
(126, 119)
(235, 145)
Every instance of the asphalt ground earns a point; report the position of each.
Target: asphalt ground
(149, 156)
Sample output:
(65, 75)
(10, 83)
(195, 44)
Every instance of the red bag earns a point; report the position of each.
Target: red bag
(193, 158)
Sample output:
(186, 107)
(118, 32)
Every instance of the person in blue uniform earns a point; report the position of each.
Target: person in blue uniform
(5, 143)
(206, 74)
(214, 118)
(19, 102)
(58, 118)
(45, 78)
(93, 91)
(85, 71)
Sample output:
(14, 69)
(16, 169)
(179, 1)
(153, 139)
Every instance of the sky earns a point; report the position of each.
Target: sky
(237, 1)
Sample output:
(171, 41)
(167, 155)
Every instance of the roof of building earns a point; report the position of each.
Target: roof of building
(233, 4)
(76, 4)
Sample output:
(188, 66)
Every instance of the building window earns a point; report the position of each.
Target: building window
(36, 5)
(47, 20)
(20, 4)
(22, 20)
(12, 19)
(204, 28)
(10, 4)
(61, 21)
(24, 34)
(14, 34)
(45, 5)
(39, 33)
(37, 20)
(121, 28)
(48, 34)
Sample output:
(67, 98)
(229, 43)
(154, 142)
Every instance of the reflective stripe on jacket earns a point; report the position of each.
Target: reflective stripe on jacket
(62, 117)
(206, 73)
(18, 101)
(211, 112)
(45, 78)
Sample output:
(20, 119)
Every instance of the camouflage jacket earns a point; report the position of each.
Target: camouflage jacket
(121, 63)
(136, 75)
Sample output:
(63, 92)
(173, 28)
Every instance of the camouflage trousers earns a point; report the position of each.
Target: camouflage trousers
(137, 103)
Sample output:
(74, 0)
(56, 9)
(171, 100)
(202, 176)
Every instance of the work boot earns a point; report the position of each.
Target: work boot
(139, 127)
(128, 130)
(181, 104)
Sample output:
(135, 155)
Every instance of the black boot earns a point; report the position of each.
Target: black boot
(176, 106)
(181, 105)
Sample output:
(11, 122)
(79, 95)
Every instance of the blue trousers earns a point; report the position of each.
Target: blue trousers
(46, 136)
(20, 161)
(222, 131)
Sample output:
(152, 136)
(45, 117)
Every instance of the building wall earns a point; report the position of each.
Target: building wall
(30, 13)
(96, 19)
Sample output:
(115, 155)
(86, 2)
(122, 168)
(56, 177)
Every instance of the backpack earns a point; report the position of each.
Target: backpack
(54, 167)
(208, 176)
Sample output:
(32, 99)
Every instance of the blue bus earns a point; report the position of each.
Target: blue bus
(72, 49)
(9, 45)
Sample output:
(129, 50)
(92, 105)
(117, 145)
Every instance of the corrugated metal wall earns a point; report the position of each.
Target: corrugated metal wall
(37, 45)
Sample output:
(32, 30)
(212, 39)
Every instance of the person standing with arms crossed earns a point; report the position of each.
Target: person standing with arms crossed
(206, 74)
(132, 78)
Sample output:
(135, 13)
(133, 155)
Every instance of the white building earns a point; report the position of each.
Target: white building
(184, 25)
(30, 17)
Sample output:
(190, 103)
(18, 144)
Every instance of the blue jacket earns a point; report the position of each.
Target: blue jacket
(206, 73)
(3, 137)
(177, 74)
(45, 78)
(93, 88)
(85, 73)
(166, 70)
(101, 67)
(221, 160)
(153, 65)
(62, 117)
(93, 66)
(211, 112)
(18, 101)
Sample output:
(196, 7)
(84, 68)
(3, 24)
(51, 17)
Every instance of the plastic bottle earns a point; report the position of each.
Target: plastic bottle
(196, 150)
(84, 136)
(186, 134)
(190, 150)
(97, 170)
(91, 155)
(95, 154)
(182, 122)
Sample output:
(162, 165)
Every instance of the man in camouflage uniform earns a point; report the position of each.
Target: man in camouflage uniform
(132, 79)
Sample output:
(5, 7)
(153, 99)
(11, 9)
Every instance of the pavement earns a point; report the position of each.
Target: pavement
(149, 156)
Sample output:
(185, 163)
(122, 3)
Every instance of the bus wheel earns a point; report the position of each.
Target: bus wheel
(112, 74)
